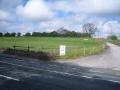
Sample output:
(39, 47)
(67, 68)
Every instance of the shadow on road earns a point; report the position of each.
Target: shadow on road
(38, 75)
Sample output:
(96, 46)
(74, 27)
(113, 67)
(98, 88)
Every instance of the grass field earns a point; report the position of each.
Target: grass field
(76, 47)
(117, 42)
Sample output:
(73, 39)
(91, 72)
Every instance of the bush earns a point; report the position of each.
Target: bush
(44, 56)
(113, 37)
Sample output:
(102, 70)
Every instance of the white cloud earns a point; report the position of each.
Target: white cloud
(109, 28)
(35, 10)
(5, 16)
(97, 7)
(23, 27)
(6, 20)
(72, 23)
(104, 7)
(71, 14)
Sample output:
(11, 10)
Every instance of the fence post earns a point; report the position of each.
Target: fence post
(28, 48)
(14, 48)
(84, 51)
(42, 48)
(91, 51)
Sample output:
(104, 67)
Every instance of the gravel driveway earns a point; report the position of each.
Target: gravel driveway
(109, 59)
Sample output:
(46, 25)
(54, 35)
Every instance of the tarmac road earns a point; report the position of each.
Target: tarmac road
(21, 74)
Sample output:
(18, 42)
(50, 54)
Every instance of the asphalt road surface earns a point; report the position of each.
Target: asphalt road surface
(22, 74)
(109, 59)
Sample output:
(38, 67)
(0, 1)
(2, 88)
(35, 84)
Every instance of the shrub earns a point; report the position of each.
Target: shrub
(31, 54)
(113, 37)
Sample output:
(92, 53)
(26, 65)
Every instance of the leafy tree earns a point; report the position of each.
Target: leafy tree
(73, 34)
(7, 34)
(53, 34)
(13, 34)
(36, 34)
(27, 34)
(18, 34)
(1, 34)
(113, 37)
(44, 34)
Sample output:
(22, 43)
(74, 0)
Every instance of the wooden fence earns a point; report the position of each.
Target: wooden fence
(76, 50)
(15, 47)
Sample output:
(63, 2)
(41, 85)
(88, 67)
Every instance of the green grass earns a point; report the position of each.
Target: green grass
(117, 42)
(75, 46)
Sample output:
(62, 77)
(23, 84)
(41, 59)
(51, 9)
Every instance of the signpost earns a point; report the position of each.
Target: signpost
(62, 50)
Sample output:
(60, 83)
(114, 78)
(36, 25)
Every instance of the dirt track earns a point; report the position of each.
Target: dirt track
(109, 59)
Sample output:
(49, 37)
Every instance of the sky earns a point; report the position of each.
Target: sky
(49, 15)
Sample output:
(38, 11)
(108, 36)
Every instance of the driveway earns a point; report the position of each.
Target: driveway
(109, 59)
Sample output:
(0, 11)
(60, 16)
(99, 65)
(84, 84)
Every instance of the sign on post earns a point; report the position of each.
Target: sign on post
(62, 50)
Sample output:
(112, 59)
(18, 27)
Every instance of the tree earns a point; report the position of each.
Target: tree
(27, 34)
(7, 34)
(73, 34)
(53, 34)
(18, 34)
(1, 34)
(89, 28)
(113, 37)
(36, 34)
(44, 34)
(13, 34)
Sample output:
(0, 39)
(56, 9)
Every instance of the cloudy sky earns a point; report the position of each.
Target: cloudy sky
(48, 15)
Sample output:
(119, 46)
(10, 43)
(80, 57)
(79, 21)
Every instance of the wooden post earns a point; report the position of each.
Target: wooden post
(84, 51)
(90, 51)
(93, 50)
(14, 48)
(42, 48)
(28, 48)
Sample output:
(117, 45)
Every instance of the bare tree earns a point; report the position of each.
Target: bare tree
(89, 28)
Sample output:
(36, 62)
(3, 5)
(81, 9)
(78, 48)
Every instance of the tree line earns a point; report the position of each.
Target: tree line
(8, 34)
(45, 34)
(89, 29)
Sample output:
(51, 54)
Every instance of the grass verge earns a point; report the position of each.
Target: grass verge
(116, 42)
(75, 47)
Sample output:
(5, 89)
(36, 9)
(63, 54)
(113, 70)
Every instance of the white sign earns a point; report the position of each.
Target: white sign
(62, 50)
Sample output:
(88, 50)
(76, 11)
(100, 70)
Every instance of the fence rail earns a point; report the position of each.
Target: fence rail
(71, 51)
(23, 47)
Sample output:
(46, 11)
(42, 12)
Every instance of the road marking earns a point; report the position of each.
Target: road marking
(87, 77)
(57, 72)
(9, 78)
(41, 62)
(49, 65)
(96, 71)
(114, 81)
(40, 69)
(102, 79)
(31, 62)
(63, 73)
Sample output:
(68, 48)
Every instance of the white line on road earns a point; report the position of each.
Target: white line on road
(20, 60)
(57, 72)
(9, 78)
(114, 81)
(87, 77)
